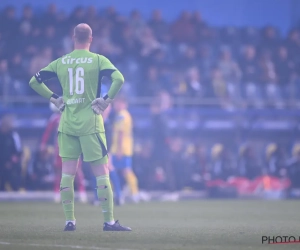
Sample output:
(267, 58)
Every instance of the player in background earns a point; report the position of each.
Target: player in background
(81, 128)
(51, 132)
(122, 149)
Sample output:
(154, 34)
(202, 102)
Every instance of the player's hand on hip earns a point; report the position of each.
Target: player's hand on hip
(59, 103)
(100, 104)
(96, 109)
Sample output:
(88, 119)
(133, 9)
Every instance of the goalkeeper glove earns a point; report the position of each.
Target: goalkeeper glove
(100, 104)
(58, 102)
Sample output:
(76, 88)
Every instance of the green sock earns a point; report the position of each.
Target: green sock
(67, 195)
(105, 196)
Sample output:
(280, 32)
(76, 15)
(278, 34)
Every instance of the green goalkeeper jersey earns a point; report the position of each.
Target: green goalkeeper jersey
(79, 74)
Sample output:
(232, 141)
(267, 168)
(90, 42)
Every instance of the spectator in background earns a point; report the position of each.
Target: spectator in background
(143, 166)
(293, 167)
(293, 45)
(28, 18)
(175, 165)
(229, 67)
(248, 162)
(220, 162)
(2, 46)
(250, 35)
(111, 14)
(268, 77)
(199, 25)
(173, 48)
(231, 73)
(10, 157)
(194, 166)
(230, 37)
(77, 16)
(8, 30)
(40, 176)
(195, 86)
(50, 16)
(152, 85)
(50, 39)
(91, 16)
(24, 39)
(269, 39)
(67, 42)
(158, 25)
(179, 84)
(248, 64)
(183, 31)
(219, 85)
(136, 23)
(20, 77)
(158, 134)
(41, 60)
(148, 43)
(17, 70)
(206, 61)
(267, 68)
(5, 78)
(275, 159)
(127, 43)
(284, 67)
(188, 59)
(62, 24)
(249, 67)
(103, 44)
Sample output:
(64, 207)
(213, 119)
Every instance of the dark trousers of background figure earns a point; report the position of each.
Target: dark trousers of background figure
(12, 176)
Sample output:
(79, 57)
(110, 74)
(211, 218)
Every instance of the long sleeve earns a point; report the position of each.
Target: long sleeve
(117, 82)
(40, 88)
(109, 70)
(37, 81)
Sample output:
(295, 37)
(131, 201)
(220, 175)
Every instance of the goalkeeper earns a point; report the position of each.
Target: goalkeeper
(81, 128)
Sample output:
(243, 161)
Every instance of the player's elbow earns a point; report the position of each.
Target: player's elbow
(32, 81)
(118, 77)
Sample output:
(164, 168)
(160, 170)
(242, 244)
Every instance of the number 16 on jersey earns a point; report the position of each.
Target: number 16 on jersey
(79, 81)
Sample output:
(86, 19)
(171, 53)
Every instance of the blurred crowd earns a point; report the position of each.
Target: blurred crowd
(162, 162)
(185, 58)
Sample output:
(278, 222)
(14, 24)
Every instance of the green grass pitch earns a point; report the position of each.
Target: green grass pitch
(205, 224)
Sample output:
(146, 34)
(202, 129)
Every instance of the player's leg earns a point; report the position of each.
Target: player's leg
(69, 150)
(57, 177)
(115, 179)
(95, 152)
(80, 183)
(104, 190)
(130, 178)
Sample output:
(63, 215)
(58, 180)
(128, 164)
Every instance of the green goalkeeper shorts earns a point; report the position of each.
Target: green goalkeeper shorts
(93, 146)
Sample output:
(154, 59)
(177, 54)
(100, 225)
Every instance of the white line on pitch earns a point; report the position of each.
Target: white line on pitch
(60, 246)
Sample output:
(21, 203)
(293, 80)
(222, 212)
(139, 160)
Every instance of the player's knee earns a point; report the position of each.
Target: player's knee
(103, 161)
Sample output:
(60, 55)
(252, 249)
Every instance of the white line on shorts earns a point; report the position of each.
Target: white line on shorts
(59, 246)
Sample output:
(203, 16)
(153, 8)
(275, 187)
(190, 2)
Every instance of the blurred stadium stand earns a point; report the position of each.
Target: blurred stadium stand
(228, 96)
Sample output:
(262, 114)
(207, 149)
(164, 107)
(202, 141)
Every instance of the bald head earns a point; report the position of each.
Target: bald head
(82, 33)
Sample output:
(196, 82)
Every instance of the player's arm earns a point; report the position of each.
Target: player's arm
(37, 84)
(109, 70)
